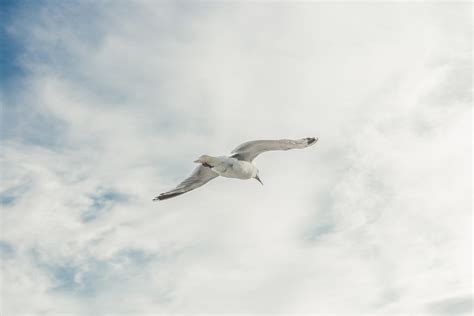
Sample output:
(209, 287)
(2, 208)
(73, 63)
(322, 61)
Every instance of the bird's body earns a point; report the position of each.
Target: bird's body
(233, 168)
(238, 165)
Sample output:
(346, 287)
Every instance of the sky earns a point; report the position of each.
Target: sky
(105, 104)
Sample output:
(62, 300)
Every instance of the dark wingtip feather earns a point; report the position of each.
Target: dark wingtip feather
(165, 196)
(311, 140)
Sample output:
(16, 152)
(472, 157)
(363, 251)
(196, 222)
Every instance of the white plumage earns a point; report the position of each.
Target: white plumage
(238, 165)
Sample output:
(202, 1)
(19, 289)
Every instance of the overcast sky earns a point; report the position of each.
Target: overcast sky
(106, 104)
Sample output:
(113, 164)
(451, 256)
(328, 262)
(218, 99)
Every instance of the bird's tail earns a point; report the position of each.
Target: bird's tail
(207, 160)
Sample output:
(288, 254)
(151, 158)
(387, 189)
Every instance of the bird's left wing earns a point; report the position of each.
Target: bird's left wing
(249, 150)
(200, 176)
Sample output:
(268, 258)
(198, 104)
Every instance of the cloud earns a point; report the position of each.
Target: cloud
(117, 99)
(452, 306)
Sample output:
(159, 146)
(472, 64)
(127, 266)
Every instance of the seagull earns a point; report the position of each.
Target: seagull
(239, 164)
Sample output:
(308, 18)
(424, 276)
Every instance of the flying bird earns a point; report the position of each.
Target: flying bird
(239, 164)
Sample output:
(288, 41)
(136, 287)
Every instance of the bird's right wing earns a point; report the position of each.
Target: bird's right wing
(200, 176)
(249, 150)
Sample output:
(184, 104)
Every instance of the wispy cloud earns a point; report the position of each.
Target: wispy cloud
(116, 99)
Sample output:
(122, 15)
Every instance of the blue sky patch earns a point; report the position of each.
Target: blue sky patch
(101, 204)
(10, 196)
(89, 277)
(10, 48)
(6, 250)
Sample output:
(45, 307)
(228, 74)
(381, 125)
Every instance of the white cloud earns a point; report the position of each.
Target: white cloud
(375, 219)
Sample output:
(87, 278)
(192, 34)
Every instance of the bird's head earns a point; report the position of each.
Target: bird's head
(256, 177)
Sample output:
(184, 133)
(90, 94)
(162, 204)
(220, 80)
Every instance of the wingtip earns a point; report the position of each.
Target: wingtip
(312, 140)
(165, 196)
(159, 197)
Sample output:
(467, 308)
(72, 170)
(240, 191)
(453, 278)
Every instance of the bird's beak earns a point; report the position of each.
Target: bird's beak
(258, 179)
